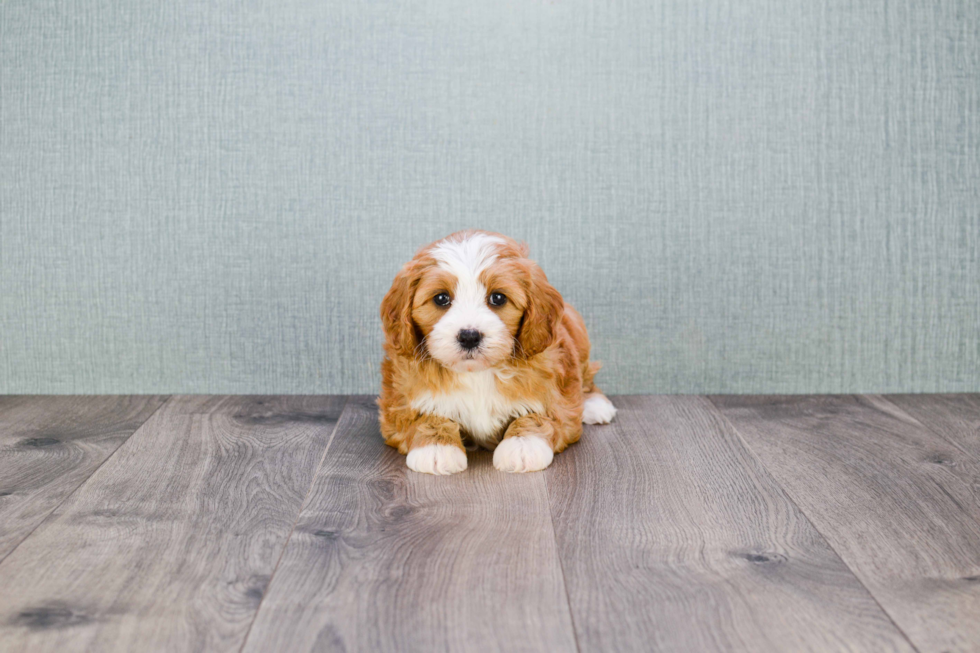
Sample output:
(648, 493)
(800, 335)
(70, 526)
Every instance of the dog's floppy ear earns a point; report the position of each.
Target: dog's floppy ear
(542, 315)
(396, 311)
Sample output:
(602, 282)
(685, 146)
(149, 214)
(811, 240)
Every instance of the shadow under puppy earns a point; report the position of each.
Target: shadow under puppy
(480, 350)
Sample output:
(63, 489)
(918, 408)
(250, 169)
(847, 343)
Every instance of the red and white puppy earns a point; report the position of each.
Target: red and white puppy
(481, 350)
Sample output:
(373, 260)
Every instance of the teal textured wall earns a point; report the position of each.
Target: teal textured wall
(739, 195)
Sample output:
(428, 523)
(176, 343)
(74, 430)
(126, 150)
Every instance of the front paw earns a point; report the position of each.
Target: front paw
(522, 453)
(598, 410)
(437, 459)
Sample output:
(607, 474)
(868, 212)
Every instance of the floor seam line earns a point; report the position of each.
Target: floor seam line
(561, 566)
(809, 520)
(928, 428)
(299, 513)
(952, 443)
(87, 478)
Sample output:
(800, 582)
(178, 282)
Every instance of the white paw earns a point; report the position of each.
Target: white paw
(598, 410)
(524, 453)
(437, 459)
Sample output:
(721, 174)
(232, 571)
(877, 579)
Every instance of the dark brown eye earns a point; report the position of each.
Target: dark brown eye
(498, 299)
(442, 299)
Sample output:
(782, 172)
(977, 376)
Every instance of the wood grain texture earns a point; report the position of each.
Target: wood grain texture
(49, 445)
(171, 543)
(386, 559)
(956, 417)
(673, 537)
(898, 503)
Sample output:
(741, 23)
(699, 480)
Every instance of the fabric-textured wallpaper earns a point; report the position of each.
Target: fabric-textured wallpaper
(738, 195)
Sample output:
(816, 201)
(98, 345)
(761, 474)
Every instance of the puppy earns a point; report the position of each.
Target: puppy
(480, 350)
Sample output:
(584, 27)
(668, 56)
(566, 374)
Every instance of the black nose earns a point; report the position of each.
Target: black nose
(469, 338)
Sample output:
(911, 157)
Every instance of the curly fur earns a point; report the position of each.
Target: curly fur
(530, 380)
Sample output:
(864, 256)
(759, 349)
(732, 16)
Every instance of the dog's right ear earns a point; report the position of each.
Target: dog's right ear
(401, 334)
(543, 314)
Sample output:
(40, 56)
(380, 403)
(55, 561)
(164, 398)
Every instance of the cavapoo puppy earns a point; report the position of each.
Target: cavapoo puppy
(480, 350)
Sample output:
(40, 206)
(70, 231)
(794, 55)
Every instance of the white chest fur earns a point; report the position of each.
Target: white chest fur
(477, 406)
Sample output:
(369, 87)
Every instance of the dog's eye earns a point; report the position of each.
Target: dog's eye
(442, 299)
(497, 299)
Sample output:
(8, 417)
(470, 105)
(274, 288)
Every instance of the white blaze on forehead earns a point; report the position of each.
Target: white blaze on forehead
(466, 260)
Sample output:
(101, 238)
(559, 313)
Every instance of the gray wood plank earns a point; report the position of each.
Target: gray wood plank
(171, 543)
(897, 502)
(673, 537)
(955, 417)
(49, 445)
(386, 559)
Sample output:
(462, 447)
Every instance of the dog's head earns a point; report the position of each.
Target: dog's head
(471, 301)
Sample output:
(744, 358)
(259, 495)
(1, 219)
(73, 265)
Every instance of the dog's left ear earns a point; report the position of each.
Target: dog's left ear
(396, 311)
(542, 315)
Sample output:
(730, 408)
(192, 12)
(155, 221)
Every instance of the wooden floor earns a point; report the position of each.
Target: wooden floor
(689, 524)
